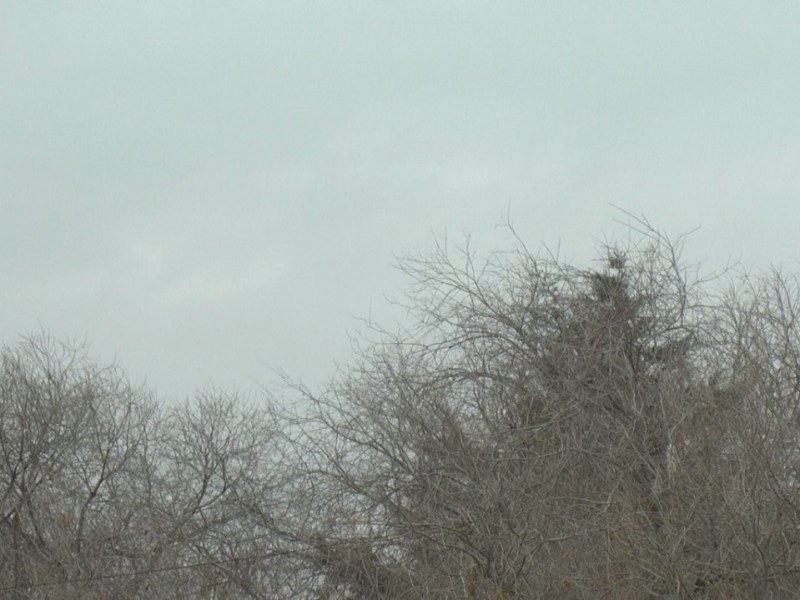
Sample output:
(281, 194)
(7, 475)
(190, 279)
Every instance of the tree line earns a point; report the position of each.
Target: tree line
(539, 430)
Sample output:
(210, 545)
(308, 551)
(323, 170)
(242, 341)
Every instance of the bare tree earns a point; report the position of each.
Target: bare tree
(540, 431)
(216, 466)
(103, 493)
(71, 436)
(547, 431)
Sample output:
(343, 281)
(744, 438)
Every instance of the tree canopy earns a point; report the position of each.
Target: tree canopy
(539, 430)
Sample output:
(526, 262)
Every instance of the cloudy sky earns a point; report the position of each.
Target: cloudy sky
(207, 190)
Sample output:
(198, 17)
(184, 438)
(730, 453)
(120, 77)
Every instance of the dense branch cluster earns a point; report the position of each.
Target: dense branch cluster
(539, 431)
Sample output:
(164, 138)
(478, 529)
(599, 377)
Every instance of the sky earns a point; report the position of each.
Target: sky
(211, 191)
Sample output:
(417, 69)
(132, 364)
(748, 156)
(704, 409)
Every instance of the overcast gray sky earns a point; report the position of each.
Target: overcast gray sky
(208, 189)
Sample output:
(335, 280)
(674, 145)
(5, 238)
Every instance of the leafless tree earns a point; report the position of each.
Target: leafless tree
(72, 437)
(628, 430)
(104, 493)
(542, 431)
